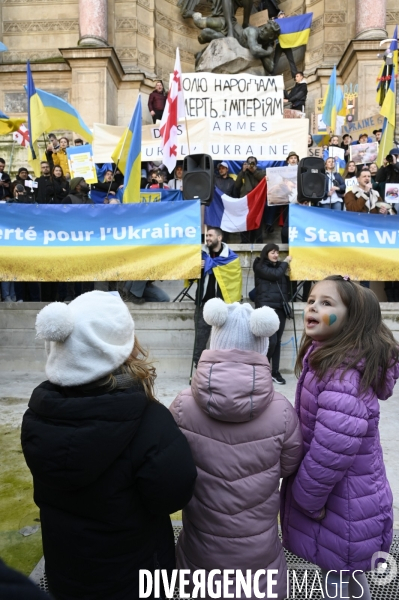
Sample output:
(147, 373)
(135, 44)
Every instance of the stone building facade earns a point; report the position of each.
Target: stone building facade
(99, 54)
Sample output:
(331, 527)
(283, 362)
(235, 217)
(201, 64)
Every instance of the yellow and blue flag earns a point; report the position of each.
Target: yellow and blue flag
(38, 121)
(388, 110)
(228, 274)
(63, 115)
(131, 149)
(8, 125)
(294, 31)
(333, 101)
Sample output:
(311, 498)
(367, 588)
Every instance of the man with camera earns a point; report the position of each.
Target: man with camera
(389, 172)
(247, 180)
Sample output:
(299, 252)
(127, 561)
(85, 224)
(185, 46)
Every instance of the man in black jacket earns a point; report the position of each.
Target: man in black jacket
(4, 181)
(223, 181)
(45, 187)
(297, 96)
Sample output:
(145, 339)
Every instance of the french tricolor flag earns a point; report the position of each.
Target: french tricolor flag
(237, 214)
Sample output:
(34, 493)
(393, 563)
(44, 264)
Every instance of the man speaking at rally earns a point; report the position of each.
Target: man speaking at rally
(221, 277)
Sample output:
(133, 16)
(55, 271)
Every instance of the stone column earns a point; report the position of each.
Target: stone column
(93, 23)
(370, 19)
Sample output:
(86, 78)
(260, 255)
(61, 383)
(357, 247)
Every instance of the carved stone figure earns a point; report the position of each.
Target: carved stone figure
(258, 40)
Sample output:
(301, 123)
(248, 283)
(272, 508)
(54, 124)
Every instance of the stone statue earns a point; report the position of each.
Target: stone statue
(258, 40)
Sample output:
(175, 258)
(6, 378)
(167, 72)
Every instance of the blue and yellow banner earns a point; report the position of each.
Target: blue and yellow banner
(295, 31)
(329, 242)
(83, 242)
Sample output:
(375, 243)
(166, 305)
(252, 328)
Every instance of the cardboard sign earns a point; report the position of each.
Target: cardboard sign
(362, 154)
(282, 185)
(81, 163)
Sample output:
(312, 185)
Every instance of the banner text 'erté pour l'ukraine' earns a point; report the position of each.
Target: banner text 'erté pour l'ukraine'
(100, 242)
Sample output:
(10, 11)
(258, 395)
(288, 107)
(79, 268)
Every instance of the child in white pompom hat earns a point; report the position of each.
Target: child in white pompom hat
(244, 437)
(108, 462)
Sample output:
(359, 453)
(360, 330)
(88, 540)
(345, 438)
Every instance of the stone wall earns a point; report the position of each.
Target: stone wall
(167, 331)
(145, 34)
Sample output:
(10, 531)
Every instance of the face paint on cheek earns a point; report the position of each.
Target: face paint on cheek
(329, 319)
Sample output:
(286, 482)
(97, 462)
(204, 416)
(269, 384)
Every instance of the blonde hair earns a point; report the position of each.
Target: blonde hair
(140, 368)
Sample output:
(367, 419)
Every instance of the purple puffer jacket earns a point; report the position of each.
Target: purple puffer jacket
(243, 436)
(343, 471)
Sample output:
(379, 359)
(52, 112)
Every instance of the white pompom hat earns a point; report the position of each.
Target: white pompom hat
(87, 339)
(240, 326)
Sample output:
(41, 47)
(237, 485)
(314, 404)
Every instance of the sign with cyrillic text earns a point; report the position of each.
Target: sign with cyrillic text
(219, 96)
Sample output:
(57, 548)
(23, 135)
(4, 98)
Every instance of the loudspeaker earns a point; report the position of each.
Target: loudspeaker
(311, 180)
(198, 178)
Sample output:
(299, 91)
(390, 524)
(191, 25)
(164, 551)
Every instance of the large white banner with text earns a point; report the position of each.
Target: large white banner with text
(223, 139)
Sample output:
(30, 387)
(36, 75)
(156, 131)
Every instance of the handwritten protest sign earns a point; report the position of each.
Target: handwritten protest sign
(216, 96)
(224, 139)
(81, 163)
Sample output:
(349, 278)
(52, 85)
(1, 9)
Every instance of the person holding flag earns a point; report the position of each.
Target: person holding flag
(221, 277)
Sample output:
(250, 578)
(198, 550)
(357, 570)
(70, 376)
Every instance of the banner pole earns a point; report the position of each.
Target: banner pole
(12, 155)
(188, 139)
(121, 152)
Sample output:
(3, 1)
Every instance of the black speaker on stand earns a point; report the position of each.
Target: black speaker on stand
(311, 180)
(198, 178)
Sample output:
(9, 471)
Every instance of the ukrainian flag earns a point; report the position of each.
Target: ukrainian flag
(8, 125)
(38, 121)
(294, 31)
(131, 153)
(63, 115)
(388, 129)
(333, 101)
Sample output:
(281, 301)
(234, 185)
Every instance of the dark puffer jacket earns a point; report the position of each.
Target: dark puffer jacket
(268, 277)
(108, 469)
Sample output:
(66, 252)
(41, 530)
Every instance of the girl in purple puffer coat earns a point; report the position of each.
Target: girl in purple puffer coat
(336, 511)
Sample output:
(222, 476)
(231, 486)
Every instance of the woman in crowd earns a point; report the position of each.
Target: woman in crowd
(350, 170)
(57, 155)
(271, 289)
(60, 183)
(244, 437)
(108, 462)
(336, 512)
(334, 188)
